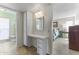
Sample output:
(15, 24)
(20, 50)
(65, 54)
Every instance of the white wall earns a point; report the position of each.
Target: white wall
(77, 18)
(29, 22)
(27, 27)
(45, 9)
(62, 21)
(19, 28)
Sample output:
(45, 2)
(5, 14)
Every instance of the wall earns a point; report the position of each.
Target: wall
(27, 26)
(61, 21)
(45, 10)
(77, 18)
(20, 32)
(29, 22)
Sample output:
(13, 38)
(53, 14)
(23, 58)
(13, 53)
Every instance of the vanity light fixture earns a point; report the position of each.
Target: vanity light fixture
(39, 14)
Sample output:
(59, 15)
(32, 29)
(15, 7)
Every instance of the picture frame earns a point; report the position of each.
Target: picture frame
(55, 24)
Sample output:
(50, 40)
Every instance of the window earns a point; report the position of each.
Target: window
(4, 28)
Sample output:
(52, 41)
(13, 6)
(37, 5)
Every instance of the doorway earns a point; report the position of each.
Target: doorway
(60, 34)
(7, 31)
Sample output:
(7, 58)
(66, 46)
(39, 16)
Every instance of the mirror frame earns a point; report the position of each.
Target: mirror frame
(42, 23)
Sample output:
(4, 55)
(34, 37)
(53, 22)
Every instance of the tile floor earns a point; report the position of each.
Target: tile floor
(9, 48)
(60, 47)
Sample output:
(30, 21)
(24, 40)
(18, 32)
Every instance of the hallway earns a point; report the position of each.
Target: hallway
(60, 47)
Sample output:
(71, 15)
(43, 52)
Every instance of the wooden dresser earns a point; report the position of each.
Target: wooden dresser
(74, 37)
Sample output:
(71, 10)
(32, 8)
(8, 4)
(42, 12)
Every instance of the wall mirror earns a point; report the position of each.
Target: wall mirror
(39, 21)
(40, 24)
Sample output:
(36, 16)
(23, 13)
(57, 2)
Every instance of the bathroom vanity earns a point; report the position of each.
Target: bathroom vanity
(42, 46)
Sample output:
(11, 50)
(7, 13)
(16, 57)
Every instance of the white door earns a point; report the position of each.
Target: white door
(4, 28)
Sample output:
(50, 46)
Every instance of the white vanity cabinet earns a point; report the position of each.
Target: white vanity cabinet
(42, 43)
(42, 46)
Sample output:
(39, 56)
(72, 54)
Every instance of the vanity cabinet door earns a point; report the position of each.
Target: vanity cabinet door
(42, 46)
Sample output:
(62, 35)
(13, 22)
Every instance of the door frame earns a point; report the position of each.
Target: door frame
(9, 21)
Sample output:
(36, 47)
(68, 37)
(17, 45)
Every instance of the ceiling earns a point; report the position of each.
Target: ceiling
(61, 10)
(22, 6)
